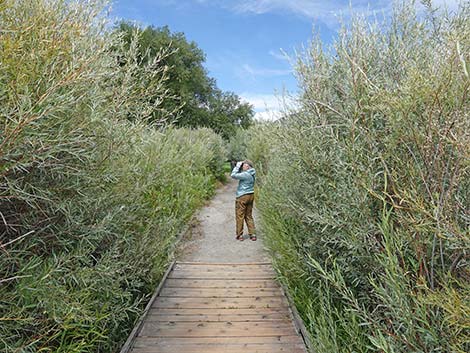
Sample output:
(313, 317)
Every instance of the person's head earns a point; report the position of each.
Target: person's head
(247, 164)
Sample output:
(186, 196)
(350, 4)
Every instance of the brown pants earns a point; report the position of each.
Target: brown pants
(243, 213)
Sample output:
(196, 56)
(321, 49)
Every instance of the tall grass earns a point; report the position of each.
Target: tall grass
(365, 204)
(91, 196)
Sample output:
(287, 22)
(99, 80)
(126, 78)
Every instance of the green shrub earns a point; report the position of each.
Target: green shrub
(236, 148)
(365, 201)
(256, 144)
(90, 202)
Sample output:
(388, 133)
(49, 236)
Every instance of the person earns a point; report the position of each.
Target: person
(246, 175)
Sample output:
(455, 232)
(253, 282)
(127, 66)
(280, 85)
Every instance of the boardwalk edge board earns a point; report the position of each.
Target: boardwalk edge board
(128, 345)
(298, 322)
(224, 263)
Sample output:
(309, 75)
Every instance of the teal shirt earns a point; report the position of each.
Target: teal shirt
(246, 184)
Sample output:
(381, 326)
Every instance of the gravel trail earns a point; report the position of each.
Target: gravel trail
(211, 237)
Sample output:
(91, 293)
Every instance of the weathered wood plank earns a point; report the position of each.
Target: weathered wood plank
(239, 348)
(211, 329)
(220, 292)
(170, 341)
(224, 276)
(220, 283)
(228, 274)
(218, 311)
(216, 269)
(224, 269)
(280, 316)
(224, 263)
(220, 303)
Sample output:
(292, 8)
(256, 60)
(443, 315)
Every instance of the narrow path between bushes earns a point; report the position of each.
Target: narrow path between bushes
(219, 296)
(211, 238)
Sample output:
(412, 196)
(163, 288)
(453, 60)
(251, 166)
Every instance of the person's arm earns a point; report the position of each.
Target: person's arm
(239, 176)
(236, 169)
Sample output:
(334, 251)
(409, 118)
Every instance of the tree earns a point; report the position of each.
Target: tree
(201, 103)
(228, 113)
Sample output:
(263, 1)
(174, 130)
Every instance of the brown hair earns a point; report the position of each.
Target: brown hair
(250, 163)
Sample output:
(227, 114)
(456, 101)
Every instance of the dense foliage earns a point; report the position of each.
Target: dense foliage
(90, 200)
(365, 200)
(197, 100)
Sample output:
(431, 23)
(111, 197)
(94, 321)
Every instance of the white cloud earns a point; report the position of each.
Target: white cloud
(262, 102)
(329, 12)
(280, 55)
(264, 71)
(307, 8)
(320, 8)
(268, 115)
(268, 106)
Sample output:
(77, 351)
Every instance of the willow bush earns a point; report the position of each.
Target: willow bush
(91, 195)
(255, 143)
(365, 204)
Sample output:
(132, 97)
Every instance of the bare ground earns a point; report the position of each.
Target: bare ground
(211, 236)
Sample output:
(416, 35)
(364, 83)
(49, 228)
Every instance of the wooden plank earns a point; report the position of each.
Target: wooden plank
(220, 292)
(223, 267)
(221, 275)
(275, 316)
(170, 341)
(220, 283)
(224, 263)
(220, 303)
(225, 273)
(236, 348)
(204, 269)
(216, 329)
(218, 311)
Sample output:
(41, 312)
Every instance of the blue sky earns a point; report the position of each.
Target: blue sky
(245, 40)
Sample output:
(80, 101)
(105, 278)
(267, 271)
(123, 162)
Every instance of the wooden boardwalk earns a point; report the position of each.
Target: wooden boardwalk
(229, 308)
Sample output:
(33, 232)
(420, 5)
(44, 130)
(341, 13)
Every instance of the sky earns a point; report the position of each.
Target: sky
(250, 45)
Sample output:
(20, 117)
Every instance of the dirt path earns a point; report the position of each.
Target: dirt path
(212, 236)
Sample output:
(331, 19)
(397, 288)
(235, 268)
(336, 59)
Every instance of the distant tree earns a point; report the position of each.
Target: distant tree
(228, 113)
(201, 103)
